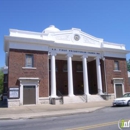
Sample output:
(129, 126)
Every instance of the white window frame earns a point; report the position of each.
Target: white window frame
(32, 60)
(118, 67)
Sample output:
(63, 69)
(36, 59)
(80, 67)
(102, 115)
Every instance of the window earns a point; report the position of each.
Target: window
(65, 68)
(116, 65)
(79, 68)
(29, 60)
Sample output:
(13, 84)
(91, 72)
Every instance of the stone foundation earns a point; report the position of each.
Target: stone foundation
(44, 100)
(56, 101)
(112, 96)
(13, 102)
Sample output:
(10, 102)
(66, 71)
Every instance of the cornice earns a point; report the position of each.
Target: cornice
(19, 40)
(61, 39)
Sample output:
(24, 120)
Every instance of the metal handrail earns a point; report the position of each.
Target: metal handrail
(61, 96)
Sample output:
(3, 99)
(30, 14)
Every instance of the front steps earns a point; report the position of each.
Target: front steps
(94, 98)
(82, 99)
(73, 99)
(76, 99)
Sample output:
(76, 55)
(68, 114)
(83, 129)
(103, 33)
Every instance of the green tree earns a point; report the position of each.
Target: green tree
(1, 81)
(128, 65)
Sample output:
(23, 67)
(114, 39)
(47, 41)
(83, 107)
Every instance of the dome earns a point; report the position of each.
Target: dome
(51, 29)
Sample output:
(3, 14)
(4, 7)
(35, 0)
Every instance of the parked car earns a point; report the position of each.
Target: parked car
(125, 100)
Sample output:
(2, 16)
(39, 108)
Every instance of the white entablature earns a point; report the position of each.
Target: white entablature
(73, 36)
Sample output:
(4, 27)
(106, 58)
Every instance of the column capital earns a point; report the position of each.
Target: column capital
(69, 55)
(84, 56)
(97, 57)
(53, 53)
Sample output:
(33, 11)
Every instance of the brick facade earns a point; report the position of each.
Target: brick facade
(62, 77)
(110, 73)
(17, 61)
(41, 62)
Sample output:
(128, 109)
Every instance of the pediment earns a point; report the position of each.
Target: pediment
(75, 36)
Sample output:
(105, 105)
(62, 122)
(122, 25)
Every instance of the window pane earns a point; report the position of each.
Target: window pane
(65, 67)
(116, 65)
(29, 60)
(79, 67)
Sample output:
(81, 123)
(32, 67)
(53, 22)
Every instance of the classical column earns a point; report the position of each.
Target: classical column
(99, 78)
(85, 75)
(70, 75)
(53, 75)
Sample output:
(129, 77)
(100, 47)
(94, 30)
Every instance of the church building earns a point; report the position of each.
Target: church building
(62, 66)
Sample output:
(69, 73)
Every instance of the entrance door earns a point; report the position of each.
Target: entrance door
(119, 92)
(29, 95)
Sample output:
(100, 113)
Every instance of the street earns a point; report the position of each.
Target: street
(103, 119)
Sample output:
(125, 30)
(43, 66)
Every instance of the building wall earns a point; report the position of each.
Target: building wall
(110, 73)
(17, 61)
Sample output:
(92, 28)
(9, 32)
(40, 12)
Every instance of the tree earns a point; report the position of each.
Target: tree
(1, 81)
(128, 65)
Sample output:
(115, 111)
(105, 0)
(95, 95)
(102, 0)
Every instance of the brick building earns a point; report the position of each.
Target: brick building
(62, 66)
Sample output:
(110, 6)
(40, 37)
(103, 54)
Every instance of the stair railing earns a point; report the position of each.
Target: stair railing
(61, 96)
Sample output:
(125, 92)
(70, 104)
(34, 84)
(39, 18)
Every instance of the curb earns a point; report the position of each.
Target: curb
(47, 114)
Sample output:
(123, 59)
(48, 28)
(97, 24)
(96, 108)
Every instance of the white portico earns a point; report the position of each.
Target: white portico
(68, 56)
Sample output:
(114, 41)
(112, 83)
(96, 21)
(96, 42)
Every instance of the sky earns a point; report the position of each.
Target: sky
(107, 19)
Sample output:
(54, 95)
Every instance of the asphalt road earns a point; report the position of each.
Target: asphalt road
(103, 119)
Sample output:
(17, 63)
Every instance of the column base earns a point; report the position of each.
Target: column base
(71, 95)
(86, 94)
(53, 96)
(100, 93)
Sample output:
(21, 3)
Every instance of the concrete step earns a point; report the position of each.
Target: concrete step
(84, 98)
(73, 99)
(91, 98)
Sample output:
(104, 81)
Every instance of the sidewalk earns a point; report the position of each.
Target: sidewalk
(45, 110)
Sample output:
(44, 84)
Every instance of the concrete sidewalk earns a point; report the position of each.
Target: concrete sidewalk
(46, 110)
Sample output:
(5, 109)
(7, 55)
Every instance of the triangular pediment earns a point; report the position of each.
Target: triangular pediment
(75, 36)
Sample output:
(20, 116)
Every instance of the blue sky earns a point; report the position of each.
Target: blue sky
(107, 19)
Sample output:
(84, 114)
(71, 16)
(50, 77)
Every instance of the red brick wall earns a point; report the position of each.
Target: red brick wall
(110, 74)
(17, 61)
